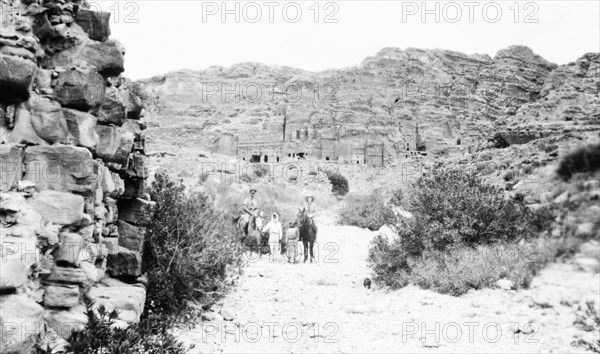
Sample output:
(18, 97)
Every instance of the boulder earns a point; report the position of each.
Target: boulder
(58, 207)
(107, 57)
(212, 316)
(61, 295)
(62, 168)
(17, 256)
(591, 249)
(584, 230)
(591, 265)
(136, 211)
(127, 300)
(70, 245)
(14, 273)
(90, 271)
(133, 104)
(94, 252)
(119, 185)
(65, 322)
(11, 159)
(18, 217)
(114, 144)
(82, 127)
(562, 198)
(47, 120)
(591, 185)
(136, 166)
(112, 210)
(112, 110)
(546, 197)
(106, 181)
(228, 314)
(80, 89)
(136, 127)
(16, 76)
(22, 322)
(131, 236)
(67, 275)
(23, 132)
(124, 263)
(42, 83)
(94, 23)
(111, 244)
(505, 284)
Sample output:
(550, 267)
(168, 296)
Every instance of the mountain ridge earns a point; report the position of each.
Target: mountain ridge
(453, 102)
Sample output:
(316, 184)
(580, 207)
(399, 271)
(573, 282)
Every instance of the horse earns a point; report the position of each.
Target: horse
(308, 236)
(251, 230)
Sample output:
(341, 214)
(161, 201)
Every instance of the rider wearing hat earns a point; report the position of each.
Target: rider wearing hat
(310, 209)
(251, 204)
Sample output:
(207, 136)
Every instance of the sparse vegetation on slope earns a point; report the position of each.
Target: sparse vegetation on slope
(458, 220)
(583, 159)
(367, 211)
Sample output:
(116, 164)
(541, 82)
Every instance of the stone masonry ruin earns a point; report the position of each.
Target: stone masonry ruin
(72, 204)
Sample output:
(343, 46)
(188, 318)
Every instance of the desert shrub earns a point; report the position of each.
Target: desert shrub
(510, 175)
(367, 211)
(583, 159)
(455, 213)
(339, 183)
(397, 197)
(191, 248)
(499, 142)
(588, 320)
(102, 336)
(388, 261)
(460, 269)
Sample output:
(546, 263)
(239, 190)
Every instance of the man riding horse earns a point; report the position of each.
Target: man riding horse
(250, 208)
(310, 209)
(307, 226)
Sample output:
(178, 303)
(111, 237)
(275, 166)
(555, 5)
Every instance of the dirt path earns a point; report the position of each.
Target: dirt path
(323, 307)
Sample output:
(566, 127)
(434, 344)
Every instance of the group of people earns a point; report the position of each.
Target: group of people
(274, 228)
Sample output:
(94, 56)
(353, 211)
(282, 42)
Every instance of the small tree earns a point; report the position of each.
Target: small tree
(189, 248)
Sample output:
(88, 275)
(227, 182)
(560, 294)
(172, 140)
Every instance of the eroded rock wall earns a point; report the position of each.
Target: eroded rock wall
(72, 205)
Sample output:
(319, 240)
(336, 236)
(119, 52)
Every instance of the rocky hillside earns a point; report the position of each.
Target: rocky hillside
(437, 102)
(72, 168)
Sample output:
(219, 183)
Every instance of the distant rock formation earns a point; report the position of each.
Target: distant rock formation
(73, 170)
(456, 101)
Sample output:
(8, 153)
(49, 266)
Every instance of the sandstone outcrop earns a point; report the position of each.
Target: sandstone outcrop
(395, 105)
(66, 154)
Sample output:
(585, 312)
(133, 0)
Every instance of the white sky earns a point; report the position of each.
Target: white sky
(171, 35)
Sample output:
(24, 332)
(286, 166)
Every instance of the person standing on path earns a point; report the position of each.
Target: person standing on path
(275, 234)
(292, 236)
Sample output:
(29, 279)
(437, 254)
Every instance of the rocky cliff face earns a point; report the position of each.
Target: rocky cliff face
(439, 103)
(72, 202)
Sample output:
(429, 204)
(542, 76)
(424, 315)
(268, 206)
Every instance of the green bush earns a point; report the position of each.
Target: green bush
(102, 336)
(458, 270)
(339, 183)
(499, 142)
(583, 159)
(397, 198)
(588, 320)
(455, 213)
(190, 249)
(366, 211)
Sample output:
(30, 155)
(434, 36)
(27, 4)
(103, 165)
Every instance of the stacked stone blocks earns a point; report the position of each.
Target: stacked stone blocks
(73, 209)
